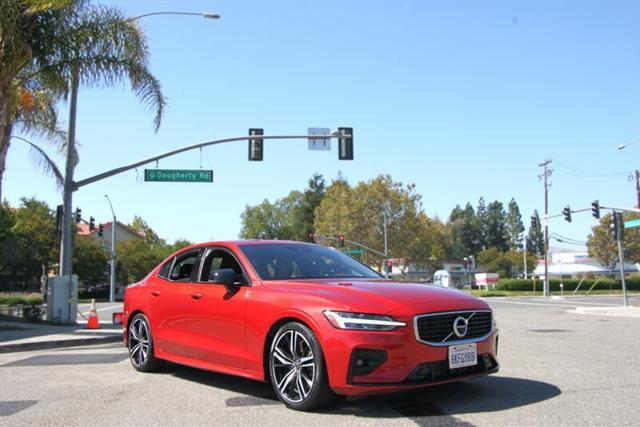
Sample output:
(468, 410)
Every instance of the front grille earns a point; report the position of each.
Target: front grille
(437, 329)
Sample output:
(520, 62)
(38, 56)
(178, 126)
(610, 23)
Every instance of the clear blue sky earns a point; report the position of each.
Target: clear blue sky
(462, 98)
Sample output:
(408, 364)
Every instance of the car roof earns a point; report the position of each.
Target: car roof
(249, 242)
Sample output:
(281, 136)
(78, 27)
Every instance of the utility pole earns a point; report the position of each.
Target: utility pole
(524, 252)
(112, 264)
(545, 177)
(618, 230)
(386, 253)
(638, 188)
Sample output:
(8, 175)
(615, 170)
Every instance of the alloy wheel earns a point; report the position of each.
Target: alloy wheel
(138, 341)
(293, 366)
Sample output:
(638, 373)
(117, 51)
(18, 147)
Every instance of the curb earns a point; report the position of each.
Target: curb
(44, 345)
(633, 312)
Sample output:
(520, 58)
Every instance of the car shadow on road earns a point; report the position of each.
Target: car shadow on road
(435, 405)
(487, 394)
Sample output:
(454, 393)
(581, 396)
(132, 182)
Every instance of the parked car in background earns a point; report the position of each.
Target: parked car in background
(306, 318)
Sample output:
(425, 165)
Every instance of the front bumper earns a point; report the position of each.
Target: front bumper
(397, 361)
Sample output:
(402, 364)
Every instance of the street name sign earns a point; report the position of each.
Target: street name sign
(353, 251)
(178, 175)
(320, 144)
(633, 223)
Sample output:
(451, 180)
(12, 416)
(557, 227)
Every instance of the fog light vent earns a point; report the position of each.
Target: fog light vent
(364, 361)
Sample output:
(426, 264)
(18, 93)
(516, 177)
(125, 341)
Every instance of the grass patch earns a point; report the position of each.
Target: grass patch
(503, 293)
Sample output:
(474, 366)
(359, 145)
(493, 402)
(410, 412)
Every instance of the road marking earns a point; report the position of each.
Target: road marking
(580, 302)
(538, 304)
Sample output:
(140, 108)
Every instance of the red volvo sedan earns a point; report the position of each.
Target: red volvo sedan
(307, 318)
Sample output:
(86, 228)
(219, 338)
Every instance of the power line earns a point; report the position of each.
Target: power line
(572, 170)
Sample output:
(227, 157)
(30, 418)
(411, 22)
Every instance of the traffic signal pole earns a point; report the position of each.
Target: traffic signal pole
(621, 262)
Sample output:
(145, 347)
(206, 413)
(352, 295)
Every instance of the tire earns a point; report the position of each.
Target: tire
(140, 345)
(297, 368)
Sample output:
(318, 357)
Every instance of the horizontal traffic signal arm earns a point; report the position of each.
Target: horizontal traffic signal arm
(116, 171)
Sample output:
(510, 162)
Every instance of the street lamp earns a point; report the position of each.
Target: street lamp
(66, 247)
(622, 147)
(112, 277)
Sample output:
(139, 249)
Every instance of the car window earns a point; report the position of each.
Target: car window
(216, 259)
(302, 261)
(183, 267)
(166, 268)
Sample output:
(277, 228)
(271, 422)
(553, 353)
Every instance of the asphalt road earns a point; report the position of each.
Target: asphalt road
(558, 368)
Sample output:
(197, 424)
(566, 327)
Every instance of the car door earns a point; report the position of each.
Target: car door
(216, 317)
(167, 300)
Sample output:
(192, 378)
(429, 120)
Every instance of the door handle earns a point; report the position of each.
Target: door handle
(155, 293)
(196, 296)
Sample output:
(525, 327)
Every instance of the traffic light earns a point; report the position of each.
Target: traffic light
(534, 221)
(345, 144)
(59, 214)
(256, 145)
(100, 230)
(311, 237)
(78, 215)
(465, 263)
(341, 240)
(92, 223)
(389, 266)
(618, 226)
(567, 213)
(595, 209)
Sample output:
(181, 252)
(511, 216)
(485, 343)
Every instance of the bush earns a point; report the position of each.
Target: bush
(16, 298)
(633, 284)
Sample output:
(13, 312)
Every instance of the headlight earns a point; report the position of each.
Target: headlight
(494, 322)
(361, 321)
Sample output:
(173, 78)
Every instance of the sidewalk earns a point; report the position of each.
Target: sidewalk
(17, 335)
(621, 311)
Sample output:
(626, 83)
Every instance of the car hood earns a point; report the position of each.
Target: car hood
(384, 296)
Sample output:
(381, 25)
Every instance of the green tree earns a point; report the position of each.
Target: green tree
(44, 43)
(603, 247)
(140, 225)
(508, 264)
(90, 258)
(483, 220)
(514, 226)
(358, 213)
(496, 234)
(463, 232)
(265, 221)
(177, 245)
(136, 258)
(289, 218)
(535, 238)
(7, 237)
(32, 241)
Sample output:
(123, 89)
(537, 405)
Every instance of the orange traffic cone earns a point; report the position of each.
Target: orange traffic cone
(93, 322)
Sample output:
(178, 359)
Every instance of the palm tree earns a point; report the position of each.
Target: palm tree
(43, 44)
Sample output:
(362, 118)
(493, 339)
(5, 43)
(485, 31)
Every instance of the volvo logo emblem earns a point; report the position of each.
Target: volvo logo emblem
(460, 325)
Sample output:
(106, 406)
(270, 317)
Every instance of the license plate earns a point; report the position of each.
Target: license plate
(462, 355)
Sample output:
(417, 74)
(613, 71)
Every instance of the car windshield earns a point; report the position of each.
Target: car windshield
(283, 261)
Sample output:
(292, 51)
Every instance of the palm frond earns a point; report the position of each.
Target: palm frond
(36, 114)
(42, 160)
(105, 49)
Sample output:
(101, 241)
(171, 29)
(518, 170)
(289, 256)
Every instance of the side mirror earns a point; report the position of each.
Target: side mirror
(225, 276)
